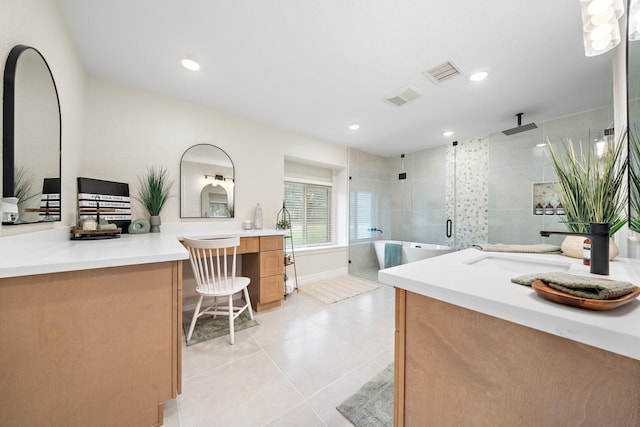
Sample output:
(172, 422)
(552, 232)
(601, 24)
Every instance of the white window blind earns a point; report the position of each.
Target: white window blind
(310, 209)
(361, 213)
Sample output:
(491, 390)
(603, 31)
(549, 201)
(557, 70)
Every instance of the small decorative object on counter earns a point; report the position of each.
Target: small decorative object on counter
(87, 228)
(247, 225)
(549, 209)
(559, 209)
(257, 219)
(89, 224)
(586, 252)
(9, 209)
(139, 226)
(539, 209)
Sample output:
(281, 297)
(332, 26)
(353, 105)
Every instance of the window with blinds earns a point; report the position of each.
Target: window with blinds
(361, 214)
(310, 209)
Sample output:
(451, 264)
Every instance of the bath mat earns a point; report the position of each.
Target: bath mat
(372, 404)
(332, 291)
(208, 328)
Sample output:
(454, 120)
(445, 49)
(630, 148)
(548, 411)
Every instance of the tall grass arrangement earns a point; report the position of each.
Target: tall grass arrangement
(591, 188)
(154, 189)
(22, 183)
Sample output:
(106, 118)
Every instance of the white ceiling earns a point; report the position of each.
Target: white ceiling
(315, 66)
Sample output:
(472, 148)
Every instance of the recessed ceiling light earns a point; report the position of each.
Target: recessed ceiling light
(542, 144)
(354, 126)
(190, 64)
(447, 133)
(480, 75)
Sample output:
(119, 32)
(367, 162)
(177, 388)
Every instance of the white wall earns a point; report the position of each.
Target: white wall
(38, 23)
(128, 129)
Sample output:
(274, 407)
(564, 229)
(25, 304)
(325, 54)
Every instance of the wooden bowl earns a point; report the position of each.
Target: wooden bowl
(587, 303)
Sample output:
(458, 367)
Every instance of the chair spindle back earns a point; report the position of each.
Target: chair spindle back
(210, 262)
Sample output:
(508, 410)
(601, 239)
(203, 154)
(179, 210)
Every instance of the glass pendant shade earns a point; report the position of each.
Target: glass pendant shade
(600, 28)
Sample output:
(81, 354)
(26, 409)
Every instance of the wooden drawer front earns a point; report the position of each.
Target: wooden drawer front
(271, 288)
(272, 243)
(248, 245)
(271, 263)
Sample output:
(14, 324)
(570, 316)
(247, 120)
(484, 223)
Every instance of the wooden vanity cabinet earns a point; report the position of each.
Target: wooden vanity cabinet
(265, 268)
(97, 347)
(459, 367)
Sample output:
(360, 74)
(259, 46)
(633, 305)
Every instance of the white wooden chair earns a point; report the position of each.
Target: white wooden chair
(209, 261)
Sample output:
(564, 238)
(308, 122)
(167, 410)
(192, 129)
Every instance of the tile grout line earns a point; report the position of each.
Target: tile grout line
(304, 400)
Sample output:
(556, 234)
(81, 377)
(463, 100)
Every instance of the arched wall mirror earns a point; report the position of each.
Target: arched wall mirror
(633, 111)
(207, 183)
(31, 136)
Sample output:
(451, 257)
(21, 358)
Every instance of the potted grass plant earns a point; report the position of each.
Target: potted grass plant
(154, 189)
(591, 188)
(22, 183)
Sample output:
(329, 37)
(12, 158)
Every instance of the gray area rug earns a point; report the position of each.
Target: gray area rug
(372, 404)
(208, 328)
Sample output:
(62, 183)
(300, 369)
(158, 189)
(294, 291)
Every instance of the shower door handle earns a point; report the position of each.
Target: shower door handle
(449, 228)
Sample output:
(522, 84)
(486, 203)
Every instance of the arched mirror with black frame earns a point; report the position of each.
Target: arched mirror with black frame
(31, 134)
(633, 110)
(207, 183)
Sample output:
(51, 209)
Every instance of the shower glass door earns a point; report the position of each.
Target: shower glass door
(399, 198)
(367, 197)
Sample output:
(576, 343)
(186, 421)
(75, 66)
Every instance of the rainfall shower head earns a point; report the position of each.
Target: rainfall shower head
(520, 127)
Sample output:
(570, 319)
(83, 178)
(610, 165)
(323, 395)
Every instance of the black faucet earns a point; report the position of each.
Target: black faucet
(599, 236)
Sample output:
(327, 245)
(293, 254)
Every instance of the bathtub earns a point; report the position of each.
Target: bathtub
(411, 251)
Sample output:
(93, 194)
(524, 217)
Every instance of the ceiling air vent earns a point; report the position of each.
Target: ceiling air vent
(404, 95)
(442, 72)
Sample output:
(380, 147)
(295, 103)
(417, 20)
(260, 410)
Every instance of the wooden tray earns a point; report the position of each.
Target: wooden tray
(77, 234)
(588, 303)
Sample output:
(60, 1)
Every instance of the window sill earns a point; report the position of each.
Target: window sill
(318, 249)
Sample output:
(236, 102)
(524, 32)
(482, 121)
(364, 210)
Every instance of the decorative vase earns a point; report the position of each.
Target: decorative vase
(572, 247)
(257, 220)
(155, 222)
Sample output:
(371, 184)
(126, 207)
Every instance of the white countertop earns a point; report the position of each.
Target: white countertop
(52, 251)
(450, 278)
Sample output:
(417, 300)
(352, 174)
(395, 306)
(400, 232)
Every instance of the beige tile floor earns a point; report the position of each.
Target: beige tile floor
(293, 369)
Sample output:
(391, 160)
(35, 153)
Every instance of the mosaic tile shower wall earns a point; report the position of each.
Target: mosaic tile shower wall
(467, 192)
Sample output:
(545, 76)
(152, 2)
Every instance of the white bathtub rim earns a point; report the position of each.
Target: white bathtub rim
(411, 251)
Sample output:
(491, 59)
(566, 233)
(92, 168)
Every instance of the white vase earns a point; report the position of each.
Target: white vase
(572, 247)
(257, 219)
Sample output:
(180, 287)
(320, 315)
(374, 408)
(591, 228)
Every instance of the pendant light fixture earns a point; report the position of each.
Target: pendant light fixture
(600, 28)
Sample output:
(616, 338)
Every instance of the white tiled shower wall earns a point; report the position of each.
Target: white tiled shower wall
(493, 194)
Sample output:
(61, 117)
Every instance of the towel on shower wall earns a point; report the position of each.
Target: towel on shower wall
(392, 254)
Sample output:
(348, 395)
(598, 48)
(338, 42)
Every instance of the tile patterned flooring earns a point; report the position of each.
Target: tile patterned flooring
(293, 369)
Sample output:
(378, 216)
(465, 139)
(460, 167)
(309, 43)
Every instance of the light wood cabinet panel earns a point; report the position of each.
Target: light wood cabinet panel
(455, 366)
(96, 347)
(248, 245)
(272, 263)
(272, 289)
(271, 243)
